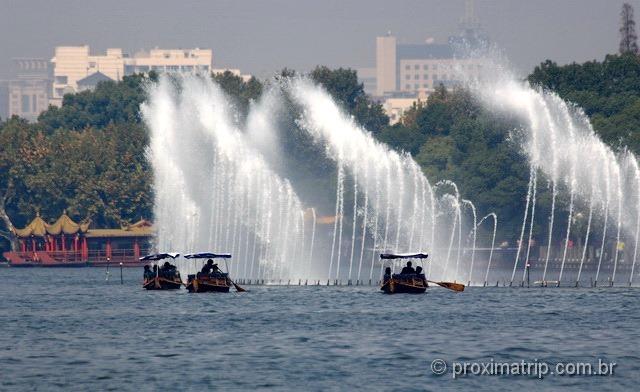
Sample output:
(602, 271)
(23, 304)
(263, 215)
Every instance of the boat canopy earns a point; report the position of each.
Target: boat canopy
(208, 255)
(403, 255)
(159, 256)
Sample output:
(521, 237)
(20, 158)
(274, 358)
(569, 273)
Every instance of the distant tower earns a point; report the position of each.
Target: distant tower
(629, 39)
(471, 34)
(469, 21)
(385, 64)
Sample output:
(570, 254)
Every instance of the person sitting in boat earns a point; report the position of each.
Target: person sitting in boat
(421, 275)
(167, 269)
(155, 270)
(408, 269)
(148, 274)
(418, 270)
(209, 268)
(387, 271)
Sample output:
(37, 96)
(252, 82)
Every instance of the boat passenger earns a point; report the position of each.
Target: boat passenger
(387, 271)
(167, 270)
(206, 269)
(155, 270)
(147, 272)
(421, 275)
(408, 269)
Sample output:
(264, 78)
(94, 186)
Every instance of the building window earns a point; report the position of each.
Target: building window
(416, 77)
(426, 76)
(408, 77)
(61, 79)
(416, 66)
(59, 92)
(25, 104)
(417, 86)
(92, 64)
(34, 102)
(425, 67)
(407, 67)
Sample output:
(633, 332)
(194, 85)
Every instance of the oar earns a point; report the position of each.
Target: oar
(238, 288)
(449, 285)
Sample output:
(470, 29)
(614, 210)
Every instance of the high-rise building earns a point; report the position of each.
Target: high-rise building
(405, 69)
(75, 64)
(386, 60)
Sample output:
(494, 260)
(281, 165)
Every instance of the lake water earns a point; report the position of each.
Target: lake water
(70, 329)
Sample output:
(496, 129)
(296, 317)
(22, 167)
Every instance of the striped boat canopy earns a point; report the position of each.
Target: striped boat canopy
(403, 255)
(159, 256)
(208, 255)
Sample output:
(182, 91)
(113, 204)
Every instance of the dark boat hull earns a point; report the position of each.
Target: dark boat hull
(395, 285)
(208, 285)
(160, 283)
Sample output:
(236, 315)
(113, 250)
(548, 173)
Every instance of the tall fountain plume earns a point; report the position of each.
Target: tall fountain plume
(560, 142)
(213, 189)
(394, 207)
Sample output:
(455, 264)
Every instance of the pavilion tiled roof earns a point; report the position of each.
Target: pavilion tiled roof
(65, 225)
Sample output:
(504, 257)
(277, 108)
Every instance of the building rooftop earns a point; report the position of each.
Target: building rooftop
(93, 79)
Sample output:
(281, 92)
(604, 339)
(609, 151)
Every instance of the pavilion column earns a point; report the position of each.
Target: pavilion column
(109, 249)
(85, 249)
(64, 246)
(136, 250)
(23, 245)
(33, 244)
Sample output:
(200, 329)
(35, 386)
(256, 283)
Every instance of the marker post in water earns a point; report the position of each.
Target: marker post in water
(107, 273)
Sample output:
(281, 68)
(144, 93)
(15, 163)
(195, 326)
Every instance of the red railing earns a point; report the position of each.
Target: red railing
(125, 256)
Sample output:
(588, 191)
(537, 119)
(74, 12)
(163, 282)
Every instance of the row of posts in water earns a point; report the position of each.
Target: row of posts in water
(370, 282)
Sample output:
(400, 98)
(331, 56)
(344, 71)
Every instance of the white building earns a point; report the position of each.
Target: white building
(74, 63)
(396, 108)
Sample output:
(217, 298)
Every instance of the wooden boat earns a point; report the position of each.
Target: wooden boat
(162, 279)
(216, 281)
(202, 283)
(411, 283)
(405, 283)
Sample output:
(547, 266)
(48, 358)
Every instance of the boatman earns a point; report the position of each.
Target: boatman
(206, 269)
(210, 268)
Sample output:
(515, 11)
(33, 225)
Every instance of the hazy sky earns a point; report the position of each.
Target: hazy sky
(261, 37)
